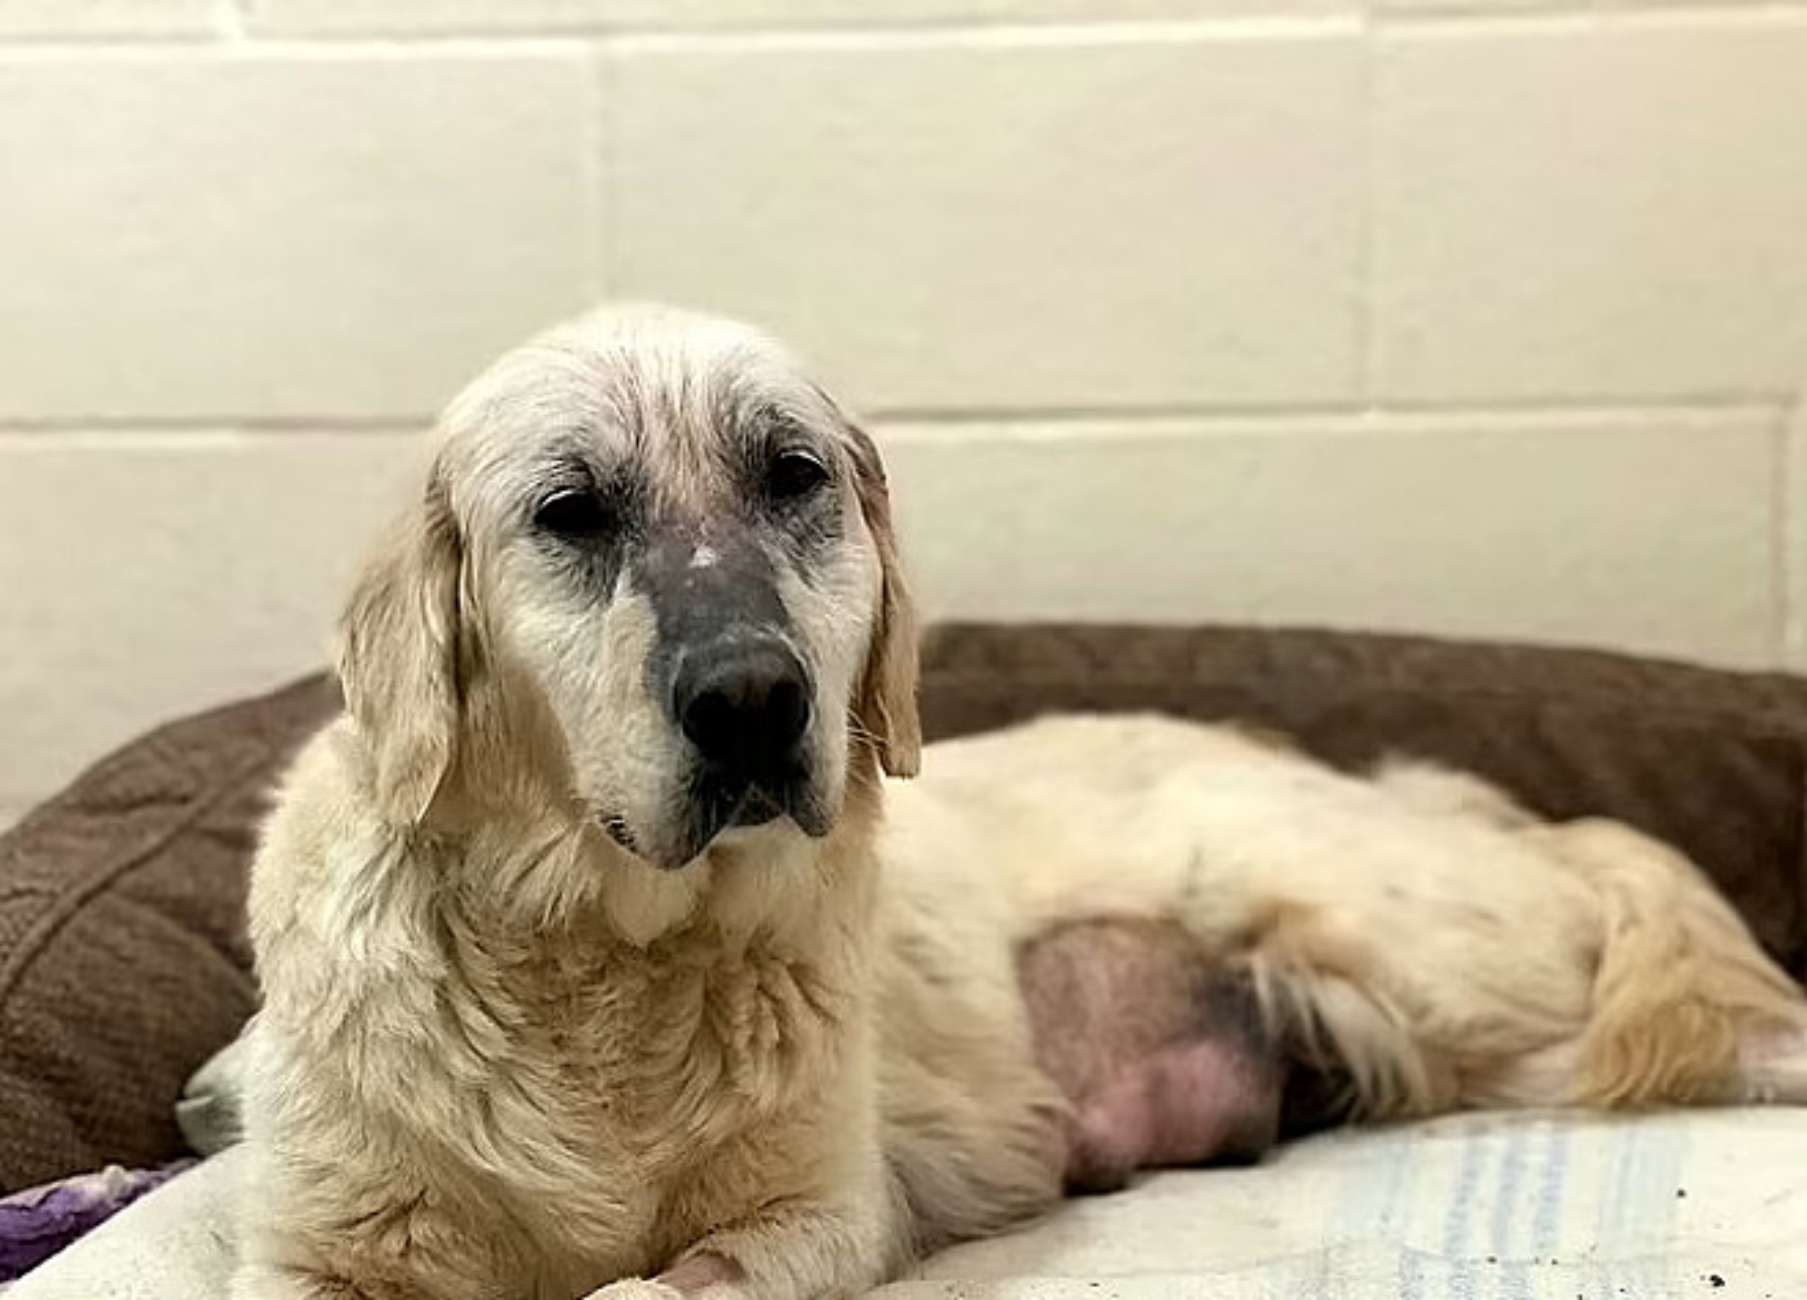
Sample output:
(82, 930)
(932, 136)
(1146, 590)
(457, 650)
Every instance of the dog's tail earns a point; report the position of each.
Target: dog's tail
(1686, 1008)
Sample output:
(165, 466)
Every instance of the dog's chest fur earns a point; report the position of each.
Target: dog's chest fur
(684, 1079)
(586, 1106)
(671, 1049)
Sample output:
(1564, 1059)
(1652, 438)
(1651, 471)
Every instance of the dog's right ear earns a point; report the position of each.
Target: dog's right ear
(399, 657)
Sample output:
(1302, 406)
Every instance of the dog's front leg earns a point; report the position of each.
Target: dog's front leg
(792, 1251)
(700, 1275)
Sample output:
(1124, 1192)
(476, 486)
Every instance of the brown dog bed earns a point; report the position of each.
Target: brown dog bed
(123, 962)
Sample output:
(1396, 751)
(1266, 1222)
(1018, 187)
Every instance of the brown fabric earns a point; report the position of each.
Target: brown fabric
(123, 962)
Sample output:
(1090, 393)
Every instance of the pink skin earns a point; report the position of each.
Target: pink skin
(1188, 1104)
(1161, 1058)
(700, 1273)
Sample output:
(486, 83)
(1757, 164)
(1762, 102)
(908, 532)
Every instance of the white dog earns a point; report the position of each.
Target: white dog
(596, 950)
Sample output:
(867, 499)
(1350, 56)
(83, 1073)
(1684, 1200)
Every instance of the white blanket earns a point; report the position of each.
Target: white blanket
(1486, 1207)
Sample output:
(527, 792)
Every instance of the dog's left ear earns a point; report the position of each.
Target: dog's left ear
(886, 700)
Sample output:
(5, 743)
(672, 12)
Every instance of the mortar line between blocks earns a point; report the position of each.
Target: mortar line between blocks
(1463, 16)
(603, 136)
(1499, 414)
(1788, 533)
(1250, 24)
(231, 24)
(1367, 355)
(177, 432)
(214, 41)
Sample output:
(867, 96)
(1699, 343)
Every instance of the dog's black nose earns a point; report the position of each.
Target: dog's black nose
(744, 706)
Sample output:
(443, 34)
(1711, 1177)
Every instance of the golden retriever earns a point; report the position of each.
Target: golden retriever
(599, 958)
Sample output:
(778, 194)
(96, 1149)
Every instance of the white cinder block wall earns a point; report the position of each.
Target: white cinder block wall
(1475, 318)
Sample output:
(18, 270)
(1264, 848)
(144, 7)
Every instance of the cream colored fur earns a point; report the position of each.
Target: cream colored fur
(501, 1057)
(1447, 947)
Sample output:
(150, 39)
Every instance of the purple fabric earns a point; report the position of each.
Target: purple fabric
(36, 1223)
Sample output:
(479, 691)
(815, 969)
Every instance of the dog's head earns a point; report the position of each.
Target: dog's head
(653, 576)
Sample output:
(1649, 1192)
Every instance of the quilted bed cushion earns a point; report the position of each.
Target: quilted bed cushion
(1686, 1205)
(123, 962)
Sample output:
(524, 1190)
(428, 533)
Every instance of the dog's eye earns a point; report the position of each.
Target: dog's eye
(793, 475)
(573, 513)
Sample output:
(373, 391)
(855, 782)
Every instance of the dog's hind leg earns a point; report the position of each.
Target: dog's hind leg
(1687, 1008)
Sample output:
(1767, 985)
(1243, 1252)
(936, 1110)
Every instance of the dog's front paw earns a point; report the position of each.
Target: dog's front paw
(636, 1288)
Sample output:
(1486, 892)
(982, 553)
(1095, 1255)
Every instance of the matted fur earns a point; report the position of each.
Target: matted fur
(502, 1055)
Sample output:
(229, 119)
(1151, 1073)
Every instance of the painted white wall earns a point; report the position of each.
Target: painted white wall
(1474, 318)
